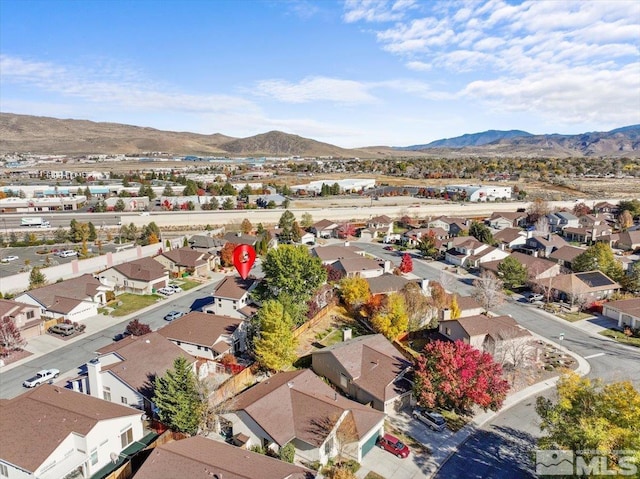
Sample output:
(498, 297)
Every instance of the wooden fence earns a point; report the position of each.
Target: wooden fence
(315, 320)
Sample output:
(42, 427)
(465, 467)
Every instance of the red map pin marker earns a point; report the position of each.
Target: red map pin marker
(243, 258)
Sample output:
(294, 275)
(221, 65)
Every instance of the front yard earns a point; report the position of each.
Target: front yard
(621, 337)
(128, 303)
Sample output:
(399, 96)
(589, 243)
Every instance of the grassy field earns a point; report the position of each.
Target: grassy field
(128, 303)
(621, 337)
(573, 317)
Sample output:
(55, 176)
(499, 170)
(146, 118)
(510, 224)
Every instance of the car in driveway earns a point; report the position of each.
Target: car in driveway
(6, 259)
(63, 329)
(175, 288)
(166, 291)
(433, 420)
(534, 297)
(173, 315)
(393, 445)
(41, 377)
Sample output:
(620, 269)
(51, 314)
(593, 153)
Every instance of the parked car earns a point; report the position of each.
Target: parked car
(67, 253)
(536, 297)
(41, 377)
(393, 445)
(63, 329)
(389, 248)
(121, 335)
(432, 419)
(175, 288)
(173, 315)
(166, 291)
(6, 259)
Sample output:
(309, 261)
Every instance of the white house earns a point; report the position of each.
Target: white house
(625, 311)
(140, 276)
(231, 296)
(55, 432)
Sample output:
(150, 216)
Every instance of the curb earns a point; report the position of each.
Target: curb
(583, 369)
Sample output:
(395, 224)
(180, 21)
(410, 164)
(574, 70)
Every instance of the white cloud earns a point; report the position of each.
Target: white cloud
(418, 66)
(317, 89)
(376, 10)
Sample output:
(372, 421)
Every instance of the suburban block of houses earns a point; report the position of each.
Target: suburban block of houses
(140, 276)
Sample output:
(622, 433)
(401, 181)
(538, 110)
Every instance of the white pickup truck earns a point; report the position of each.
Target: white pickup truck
(41, 377)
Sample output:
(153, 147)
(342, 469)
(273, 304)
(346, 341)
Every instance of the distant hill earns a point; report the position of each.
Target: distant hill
(470, 139)
(43, 135)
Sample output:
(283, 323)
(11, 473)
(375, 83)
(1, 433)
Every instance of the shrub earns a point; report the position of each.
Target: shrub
(287, 453)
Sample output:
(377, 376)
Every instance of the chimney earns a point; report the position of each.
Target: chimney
(95, 378)
(387, 266)
(346, 244)
(424, 285)
(502, 246)
(445, 314)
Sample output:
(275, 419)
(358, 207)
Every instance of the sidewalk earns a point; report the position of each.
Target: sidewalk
(46, 343)
(446, 443)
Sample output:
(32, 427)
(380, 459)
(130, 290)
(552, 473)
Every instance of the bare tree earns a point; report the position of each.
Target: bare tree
(220, 400)
(417, 305)
(447, 281)
(10, 337)
(515, 351)
(488, 290)
(542, 225)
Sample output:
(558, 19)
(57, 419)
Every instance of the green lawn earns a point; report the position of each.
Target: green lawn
(455, 422)
(128, 303)
(621, 337)
(333, 338)
(186, 284)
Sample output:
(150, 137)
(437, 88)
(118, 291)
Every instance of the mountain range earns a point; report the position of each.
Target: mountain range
(44, 135)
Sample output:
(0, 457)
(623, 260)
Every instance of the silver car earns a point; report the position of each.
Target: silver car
(432, 419)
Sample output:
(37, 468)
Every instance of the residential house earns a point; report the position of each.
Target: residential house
(537, 268)
(298, 407)
(502, 220)
(511, 238)
(629, 240)
(53, 432)
(490, 334)
(140, 276)
(379, 226)
(625, 311)
(333, 253)
(199, 457)
(543, 245)
(413, 237)
(231, 297)
(206, 243)
(207, 336)
(325, 229)
(124, 371)
(587, 235)
(471, 253)
(362, 267)
(73, 299)
(387, 283)
(240, 238)
(591, 285)
(588, 221)
(565, 255)
(445, 222)
(561, 220)
(185, 260)
(368, 369)
(605, 207)
(468, 306)
(26, 317)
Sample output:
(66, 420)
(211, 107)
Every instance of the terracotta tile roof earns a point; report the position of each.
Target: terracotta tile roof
(187, 257)
(143, 357)
(387, 283)
(200, 328)
(48, 415)
(294, 404)
(373, 363)
(233, 287)
(82, 288)
(201, 458)
(143, 269)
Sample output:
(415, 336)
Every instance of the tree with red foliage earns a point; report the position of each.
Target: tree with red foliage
(10, 337)
(375, 303)
(458, 376)
(406, 265)
(136, 328)
(346, 229)
(333, 274)
(226, 254)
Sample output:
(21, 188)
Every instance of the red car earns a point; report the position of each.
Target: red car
(393, 445)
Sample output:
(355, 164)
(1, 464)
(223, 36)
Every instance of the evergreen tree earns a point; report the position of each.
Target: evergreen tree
(36, 278)
(177, 397)
(482, 233)
(512, 272)
(286, 227)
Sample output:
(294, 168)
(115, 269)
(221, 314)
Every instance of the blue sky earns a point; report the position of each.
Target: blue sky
(352, 73)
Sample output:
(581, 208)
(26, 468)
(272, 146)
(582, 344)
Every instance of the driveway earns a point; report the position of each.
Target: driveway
(392, 467)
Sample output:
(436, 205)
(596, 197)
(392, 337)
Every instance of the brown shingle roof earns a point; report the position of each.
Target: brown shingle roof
(12, 308)
(497, 327)
(200, 328)
(335, 252)
(143, 357)
(567, 253)
(201, 458)
(386, 283)
(466, 303)
(373, 363)
(233, 287)
(293, 404)
(352, 265)
(82, 288)
(39, 420)
(324, 224)
(626, 306)
(508, 235)
(143, 269)
(187, 257)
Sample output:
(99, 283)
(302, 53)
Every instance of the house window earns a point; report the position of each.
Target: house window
(343, 381)
(94, 457)
(4, 472)
(30, 314)
(448, 331)
(123, 400)
(106, 393)
(328, 446)
(126, 438)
